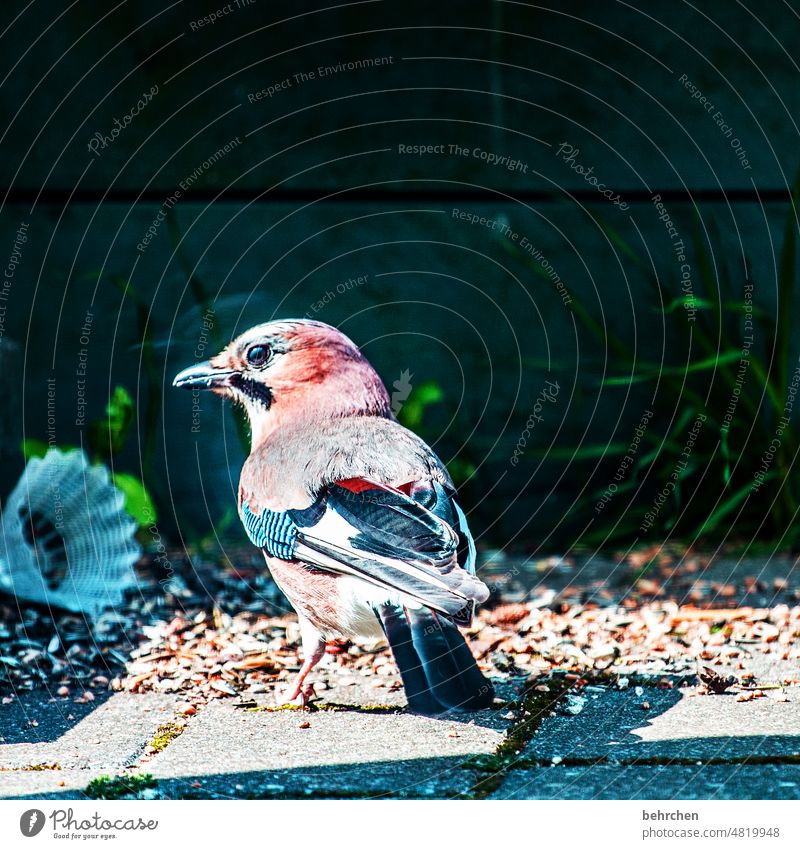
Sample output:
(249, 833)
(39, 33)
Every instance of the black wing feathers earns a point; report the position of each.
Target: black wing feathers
(392, 524)
(387, 536)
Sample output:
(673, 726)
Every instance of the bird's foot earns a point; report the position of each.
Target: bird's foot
(297, 697)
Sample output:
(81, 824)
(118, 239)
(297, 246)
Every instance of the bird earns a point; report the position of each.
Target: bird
(356, 515)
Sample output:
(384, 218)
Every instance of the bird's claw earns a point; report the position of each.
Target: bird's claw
(299, 699)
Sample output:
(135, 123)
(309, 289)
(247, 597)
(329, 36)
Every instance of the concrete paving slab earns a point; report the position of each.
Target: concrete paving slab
(351, 752)
(424, 778)
(767, 669)
(44, 784)
(718, 781)
(770, 669)
(109, 737)
(41, 716)
(347, 690)
(341, 688)
(614, 725)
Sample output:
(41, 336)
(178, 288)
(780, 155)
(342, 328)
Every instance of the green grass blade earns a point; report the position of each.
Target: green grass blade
(725, 451)
(729, 505)
(619, 242)
(708, 364)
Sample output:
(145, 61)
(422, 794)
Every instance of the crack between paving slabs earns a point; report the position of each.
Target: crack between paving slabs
(534, 705)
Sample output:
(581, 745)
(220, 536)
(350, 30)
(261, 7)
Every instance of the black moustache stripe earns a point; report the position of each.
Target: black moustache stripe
(252, 389)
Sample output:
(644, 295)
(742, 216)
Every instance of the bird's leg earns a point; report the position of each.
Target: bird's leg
(300, 695)
(313, 649)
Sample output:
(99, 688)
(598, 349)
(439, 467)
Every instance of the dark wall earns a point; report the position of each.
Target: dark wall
(695, 105)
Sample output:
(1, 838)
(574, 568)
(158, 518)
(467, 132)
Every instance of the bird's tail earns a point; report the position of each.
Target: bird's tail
(438, 670)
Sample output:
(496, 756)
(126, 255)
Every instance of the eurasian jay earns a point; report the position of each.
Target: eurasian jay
(355, 514)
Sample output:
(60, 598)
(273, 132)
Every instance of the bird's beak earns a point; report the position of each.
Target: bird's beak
(202, 376)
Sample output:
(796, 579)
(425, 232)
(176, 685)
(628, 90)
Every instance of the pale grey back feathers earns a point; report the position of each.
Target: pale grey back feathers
(294, 464)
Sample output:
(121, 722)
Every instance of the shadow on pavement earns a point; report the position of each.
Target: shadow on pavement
(42, 717)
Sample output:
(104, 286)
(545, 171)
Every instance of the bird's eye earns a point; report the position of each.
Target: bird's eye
(258, 355)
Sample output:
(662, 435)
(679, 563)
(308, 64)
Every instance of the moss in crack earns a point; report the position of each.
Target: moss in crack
(329, 706)
(118, 786)
(31, 768)
(164, 735)
(533, 706)
(367, 708)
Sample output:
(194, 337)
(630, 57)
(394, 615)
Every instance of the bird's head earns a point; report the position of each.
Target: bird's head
(294, 368)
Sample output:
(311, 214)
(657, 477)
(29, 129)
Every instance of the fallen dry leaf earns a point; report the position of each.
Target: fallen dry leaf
(714, 682)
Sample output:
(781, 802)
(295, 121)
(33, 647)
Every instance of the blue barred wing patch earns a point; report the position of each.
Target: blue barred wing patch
(274, 531)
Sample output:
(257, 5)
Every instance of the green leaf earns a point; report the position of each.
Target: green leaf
(646, 459)
(726, 455)
(683, 419)
(422, 396)
(120, 414)
(137, 499)
(704, 304)
(107, 436)
(34, 448)
(685, 301)
(460, 470)
(37, 448)
(720, 359)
